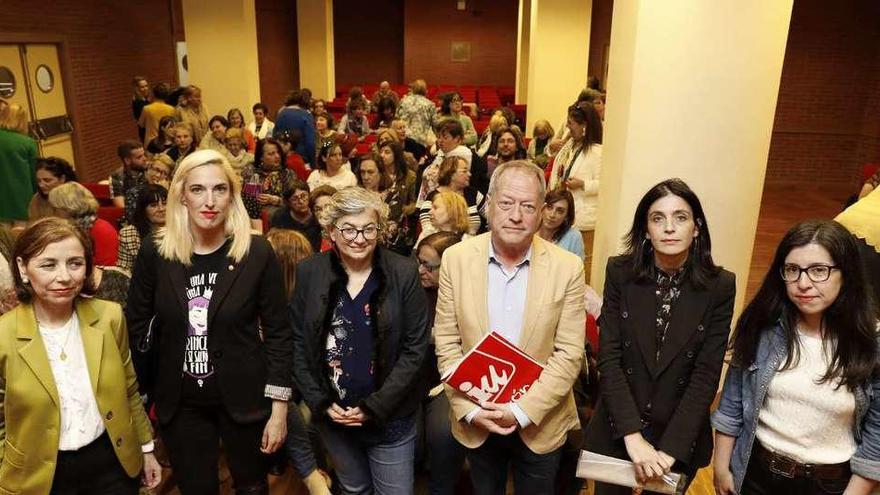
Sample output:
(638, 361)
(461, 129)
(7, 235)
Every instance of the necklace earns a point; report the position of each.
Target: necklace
(69, 325)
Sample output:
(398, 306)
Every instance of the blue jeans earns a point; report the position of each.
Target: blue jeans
(364, 467)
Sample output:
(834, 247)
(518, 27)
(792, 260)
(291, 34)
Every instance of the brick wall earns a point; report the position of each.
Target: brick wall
(489, 25)
(108, 42)
(368, 44)
(828, 113)
(278, 51)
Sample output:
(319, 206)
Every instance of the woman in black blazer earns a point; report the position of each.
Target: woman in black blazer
(664, 328)
(211, 296)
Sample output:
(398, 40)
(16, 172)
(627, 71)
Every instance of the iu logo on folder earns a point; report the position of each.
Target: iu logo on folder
(495, 370)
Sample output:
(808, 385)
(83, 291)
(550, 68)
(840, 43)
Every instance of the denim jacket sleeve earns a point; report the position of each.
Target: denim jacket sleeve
(866, 461)
(728, 418)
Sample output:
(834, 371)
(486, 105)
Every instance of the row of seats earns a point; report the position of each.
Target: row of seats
(485, 96)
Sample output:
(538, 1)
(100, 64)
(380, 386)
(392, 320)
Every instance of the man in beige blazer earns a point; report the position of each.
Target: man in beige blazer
(530, 291)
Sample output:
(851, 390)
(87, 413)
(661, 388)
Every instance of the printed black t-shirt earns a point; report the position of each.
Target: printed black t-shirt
(199, 381)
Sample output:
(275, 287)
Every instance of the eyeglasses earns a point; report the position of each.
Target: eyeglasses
(526, 208)
(816, 273)
(370, 232)
(428, 266)
(301, 197)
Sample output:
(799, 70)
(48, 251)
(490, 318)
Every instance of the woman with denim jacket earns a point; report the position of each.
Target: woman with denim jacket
(797, 413)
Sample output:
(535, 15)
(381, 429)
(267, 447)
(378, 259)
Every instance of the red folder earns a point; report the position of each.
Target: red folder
(495, 370)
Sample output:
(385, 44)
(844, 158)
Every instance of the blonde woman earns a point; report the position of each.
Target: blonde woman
(205, 290)
(72, 200)
(448, 213)
(192, 111)
(18, 154)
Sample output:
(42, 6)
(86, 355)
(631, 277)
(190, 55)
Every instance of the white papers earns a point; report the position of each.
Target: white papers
(619, 472)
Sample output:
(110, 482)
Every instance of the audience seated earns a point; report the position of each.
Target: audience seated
(355, 119)
(537, 149)
(382, 93)
(450, 108)
(151, 116)
(149, 214)
(192, 111)
(263, 183)
(261, 126)
(332, 170)
(184, 143)
(73, 201)
(448, 212)
(296, 214)
(51, 173)
(164, 139)
(236, 121)
(454, 175)
(237, 153)
(418, 112)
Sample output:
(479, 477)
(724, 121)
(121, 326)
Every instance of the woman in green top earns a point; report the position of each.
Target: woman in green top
(450, 107)
(18, 154)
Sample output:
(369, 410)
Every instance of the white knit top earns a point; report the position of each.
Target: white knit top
(809, 422)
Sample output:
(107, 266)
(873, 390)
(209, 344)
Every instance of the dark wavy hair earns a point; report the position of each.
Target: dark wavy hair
(639, 253)
(446, 102)
(561, 194)
(261, 150)
(585, 114)
(57, 166)
(850, 322)
(324, 152)
(400, 166)
(151, 194)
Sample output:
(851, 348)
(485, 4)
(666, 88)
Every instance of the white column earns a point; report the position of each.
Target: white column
(692, 91)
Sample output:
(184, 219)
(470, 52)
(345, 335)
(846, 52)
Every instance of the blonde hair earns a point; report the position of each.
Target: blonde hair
(234, 133)
(457, 208)
(354, 201)
(175, 240)
(74, 201)
(497, 122)
(14, 118)
(419, 87)
(543, 125)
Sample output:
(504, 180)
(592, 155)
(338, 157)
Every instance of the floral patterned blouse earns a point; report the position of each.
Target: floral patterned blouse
(256, 181)
(667, 293)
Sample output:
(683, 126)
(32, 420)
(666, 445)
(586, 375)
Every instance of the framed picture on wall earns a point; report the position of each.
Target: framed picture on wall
(461, 51)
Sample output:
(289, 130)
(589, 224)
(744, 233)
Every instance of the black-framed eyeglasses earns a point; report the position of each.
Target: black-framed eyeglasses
(428, 266)
(370, 232)
(817, 273)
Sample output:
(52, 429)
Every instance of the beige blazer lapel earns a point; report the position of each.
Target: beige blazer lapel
(92, 339)
(478, 273)
(539, 265)
(33, 352)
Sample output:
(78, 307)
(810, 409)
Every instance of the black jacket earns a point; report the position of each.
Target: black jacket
(670, 398)
(248, 297)
(400, 335)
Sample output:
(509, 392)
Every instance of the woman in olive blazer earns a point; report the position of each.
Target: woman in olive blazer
(47, 443)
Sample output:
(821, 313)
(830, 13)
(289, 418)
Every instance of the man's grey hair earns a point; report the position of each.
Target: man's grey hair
(524, 166)
(354, 201)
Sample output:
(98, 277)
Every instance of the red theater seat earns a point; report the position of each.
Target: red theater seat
(111, 214)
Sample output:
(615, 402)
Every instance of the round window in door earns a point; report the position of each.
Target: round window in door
(45, 78)
(7, 82)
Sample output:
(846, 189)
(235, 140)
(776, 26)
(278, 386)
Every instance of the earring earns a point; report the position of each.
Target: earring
(25, 280)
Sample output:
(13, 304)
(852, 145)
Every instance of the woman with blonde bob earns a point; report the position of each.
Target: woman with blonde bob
(448, 213)
(203, 292)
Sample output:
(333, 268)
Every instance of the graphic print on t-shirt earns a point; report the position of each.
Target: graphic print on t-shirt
(196, 362)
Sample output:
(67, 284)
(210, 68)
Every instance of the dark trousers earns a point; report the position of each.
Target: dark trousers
(445, 454)
(93, 470)
(760, 481)
(533, 474)
(193, 440)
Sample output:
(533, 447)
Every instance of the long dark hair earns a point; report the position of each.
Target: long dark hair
(152, 193)
(400, 166)
(640, 253)
(849, 321)
(586, 115)
(446, 102)
(561, 194)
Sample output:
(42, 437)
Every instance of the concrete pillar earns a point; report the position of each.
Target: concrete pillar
(221, 43)
(558, 54)
(317, 66)
(692, 91)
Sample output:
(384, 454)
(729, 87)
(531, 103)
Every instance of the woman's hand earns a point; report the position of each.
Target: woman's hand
(647, 461)
(574, 183)
(723, 480)
(268, 199)
(352, 416)
(556, 145)
(152, 475)
(276, 428)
